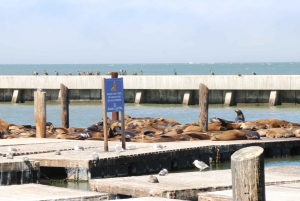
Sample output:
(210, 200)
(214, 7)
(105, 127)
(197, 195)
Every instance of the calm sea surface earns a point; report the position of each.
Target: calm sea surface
(85, 114)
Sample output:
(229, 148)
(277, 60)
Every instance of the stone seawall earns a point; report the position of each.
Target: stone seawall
(227, 90)
(159, 96)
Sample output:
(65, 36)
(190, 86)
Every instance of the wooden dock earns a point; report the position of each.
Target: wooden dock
(187, 185)
(280, 192)
(143, 160)
(29, 192)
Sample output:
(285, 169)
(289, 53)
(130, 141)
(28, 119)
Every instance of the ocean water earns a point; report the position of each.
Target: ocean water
(264, 68)
(86, 114)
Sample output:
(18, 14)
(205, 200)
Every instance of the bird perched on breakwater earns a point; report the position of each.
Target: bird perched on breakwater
(56, 73)
(45, 72)
(239, 75)
(175, 73)
(163, 172)
(253, 73)
(201, 165)
(141, 72)
(35, 72)
(57, 152)
(69, 73)
(212, 72)
(153, 179)
(78, 148)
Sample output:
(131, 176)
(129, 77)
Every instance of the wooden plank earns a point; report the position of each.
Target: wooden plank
(28, 192)
(187, 185)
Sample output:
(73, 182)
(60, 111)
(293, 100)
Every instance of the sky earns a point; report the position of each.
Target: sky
(148, 31)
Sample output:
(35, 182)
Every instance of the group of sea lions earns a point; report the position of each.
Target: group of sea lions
(149, 129)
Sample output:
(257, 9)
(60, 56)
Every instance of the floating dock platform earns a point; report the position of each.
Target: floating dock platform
(30, 192)
(80, 165)
(280, 192)
(188, 185)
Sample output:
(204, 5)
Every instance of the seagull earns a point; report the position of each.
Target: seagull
(212, 72)
(163, 172)
(131, 147)
(39, 89)
(199, 164)
(12, 149)
(158, 146)
(253, 73)
(69, 73)
(25, 159)
(95, 156)
(118, 149)
(9, 156)
(153, 179)
(56, 73)
(78, 148)
(98, 72)
(45, 72)
(141, 72)
(239, 74)
(57, 152)
(35, 72)
(175, 73)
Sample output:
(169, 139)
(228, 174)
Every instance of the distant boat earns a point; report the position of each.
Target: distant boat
(190, 62)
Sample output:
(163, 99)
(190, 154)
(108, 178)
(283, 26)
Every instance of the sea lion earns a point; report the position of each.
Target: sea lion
(281, 132)
(229, 125)
(193, 128)
(240, 116)
(229, 135)
(217, 126)
(251, 135)
(251, 125)
(3, 125)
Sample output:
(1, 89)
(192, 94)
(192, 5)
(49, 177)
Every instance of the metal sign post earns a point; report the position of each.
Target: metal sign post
(112, 101)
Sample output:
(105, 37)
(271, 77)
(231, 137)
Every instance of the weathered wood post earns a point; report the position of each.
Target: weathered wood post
(203, 105)
(64, 106)
(40, 113)
(114, 115)
(248, 176)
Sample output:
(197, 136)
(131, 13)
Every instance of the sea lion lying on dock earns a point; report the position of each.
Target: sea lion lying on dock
(229, 135)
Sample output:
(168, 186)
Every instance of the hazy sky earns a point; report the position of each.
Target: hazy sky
(142, 31)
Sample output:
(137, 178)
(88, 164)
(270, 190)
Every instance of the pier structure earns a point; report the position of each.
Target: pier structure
(180, 89)
(81, 166)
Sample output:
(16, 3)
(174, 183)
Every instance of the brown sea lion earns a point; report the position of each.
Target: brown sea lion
(3, 125)
(240, 116)
(193, 129)
(198, 135)
(281, 132)
(251, 125)
(217, 126)
(229, 135)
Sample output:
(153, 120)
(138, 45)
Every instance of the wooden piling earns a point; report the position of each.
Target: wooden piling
(114, 115)
(64, 106)
(248, 176)
(105, 131)
(203, 105)
(40, 113)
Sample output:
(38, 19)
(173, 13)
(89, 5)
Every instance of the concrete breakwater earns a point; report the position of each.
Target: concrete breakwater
(176, 89)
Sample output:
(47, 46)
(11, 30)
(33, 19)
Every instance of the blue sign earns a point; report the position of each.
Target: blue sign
(114, 96)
